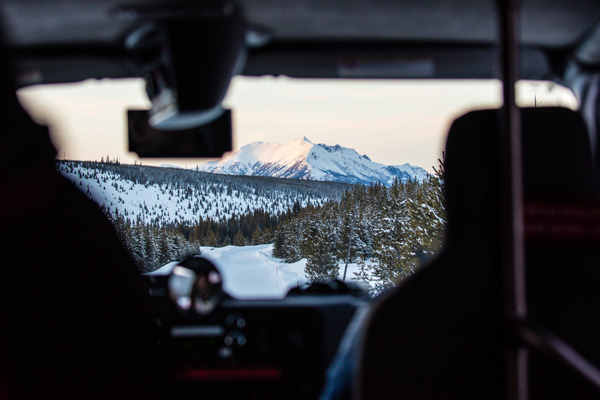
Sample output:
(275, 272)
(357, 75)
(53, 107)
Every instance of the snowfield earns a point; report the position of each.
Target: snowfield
(250, 272)
(163, 196)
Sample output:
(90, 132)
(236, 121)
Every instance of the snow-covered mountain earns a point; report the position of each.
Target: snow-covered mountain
(302, 159)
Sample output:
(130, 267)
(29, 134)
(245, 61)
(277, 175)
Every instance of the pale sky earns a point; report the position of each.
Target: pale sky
(392, 122)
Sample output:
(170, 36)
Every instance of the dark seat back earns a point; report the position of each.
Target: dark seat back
(74, 320)
(562, 254)
(440, 333)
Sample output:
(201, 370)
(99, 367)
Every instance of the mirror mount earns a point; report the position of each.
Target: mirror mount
(188, 64)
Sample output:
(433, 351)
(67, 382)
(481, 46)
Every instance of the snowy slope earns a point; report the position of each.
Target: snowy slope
(302, 159)
(250, 272)
(172, 195)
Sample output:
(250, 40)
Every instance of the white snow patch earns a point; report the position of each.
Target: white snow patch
(250, 272)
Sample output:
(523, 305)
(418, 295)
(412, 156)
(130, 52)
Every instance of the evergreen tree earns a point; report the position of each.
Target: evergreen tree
(321, 264)
(211, 239)
(239, 239)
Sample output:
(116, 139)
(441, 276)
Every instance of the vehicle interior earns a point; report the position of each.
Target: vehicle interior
(507, 309)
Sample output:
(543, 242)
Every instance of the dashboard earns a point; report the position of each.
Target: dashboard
(254, 349)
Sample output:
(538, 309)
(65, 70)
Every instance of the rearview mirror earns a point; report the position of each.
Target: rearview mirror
(210, 140)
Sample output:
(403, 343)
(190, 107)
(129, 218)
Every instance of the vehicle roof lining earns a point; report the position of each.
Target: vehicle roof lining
(557, 24)
(301, 60)
(52, 43)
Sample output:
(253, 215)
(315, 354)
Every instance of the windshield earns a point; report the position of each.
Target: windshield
(328, 179)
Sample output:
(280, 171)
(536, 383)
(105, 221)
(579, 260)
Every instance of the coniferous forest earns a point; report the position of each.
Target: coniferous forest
(167, 214)
(388, 231)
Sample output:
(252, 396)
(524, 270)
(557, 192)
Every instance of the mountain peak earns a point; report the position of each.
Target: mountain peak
(301, 159)
(302, 139)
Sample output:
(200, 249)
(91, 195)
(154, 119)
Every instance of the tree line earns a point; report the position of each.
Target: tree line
(154, 245)
(387, 231)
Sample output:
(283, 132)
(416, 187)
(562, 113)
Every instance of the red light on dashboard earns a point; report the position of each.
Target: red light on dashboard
(229, 374)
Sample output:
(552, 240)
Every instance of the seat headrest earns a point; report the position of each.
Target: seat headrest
(557, 164)
(25, 146)
(557, 155)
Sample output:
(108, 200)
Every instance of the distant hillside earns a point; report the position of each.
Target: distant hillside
(163, 196)
(302, 159)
